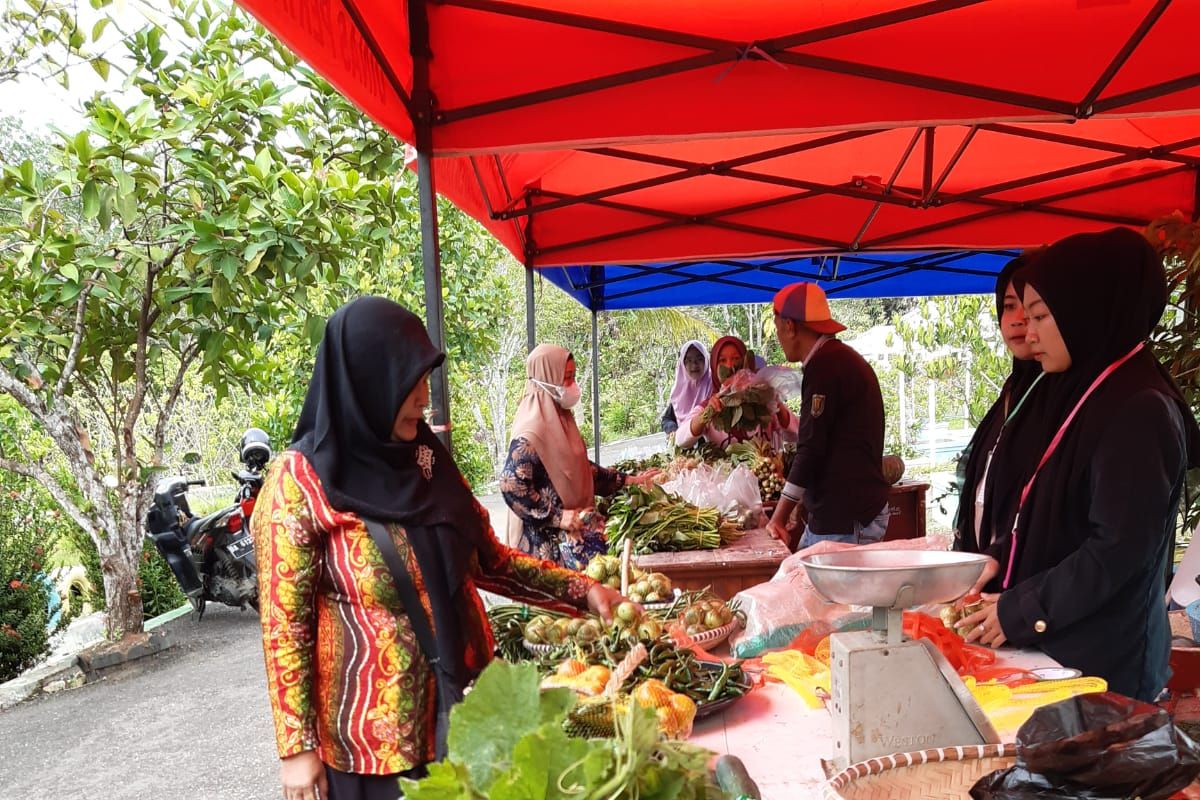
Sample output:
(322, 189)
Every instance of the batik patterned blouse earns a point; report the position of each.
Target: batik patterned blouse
(345, 673)
(530, 494)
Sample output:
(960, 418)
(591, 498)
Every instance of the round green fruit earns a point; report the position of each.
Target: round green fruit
(628, 613)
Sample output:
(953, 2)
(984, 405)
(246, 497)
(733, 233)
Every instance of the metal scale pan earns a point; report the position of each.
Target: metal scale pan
(888, 694)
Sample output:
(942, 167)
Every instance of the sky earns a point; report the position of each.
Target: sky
(43, 103)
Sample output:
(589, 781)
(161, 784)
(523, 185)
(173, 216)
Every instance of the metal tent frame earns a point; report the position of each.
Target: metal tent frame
(380, 55)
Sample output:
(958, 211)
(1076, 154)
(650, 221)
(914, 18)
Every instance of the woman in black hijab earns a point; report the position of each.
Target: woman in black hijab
(977, 496)
(1082, 577)
(353, 688)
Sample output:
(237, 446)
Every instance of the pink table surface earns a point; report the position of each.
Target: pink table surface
(782, 741)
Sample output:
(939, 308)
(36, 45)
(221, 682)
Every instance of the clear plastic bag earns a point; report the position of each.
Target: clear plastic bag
(788, 605)
(1102, 746)
(786, 381)
(733, 493)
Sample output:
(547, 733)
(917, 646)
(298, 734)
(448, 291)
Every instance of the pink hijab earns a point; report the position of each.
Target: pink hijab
(688, 393)
(551, 431)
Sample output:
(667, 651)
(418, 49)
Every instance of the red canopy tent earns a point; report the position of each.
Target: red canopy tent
(584, 132)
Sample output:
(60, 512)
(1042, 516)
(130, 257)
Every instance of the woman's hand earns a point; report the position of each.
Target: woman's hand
(784, 416)
(712, 408)
(303, 777)
(701, 420)
(984, 625)
(571, 523)
(643, 479)
(990, 570)
(603, 600)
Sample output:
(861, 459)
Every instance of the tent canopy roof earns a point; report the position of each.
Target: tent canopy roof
(649, 134)
(547, 74)
(610, 288)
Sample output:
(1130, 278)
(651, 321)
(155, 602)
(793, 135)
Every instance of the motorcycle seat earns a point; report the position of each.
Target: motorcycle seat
(201, 523)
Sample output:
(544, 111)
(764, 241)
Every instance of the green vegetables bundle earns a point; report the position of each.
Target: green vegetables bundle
(747, 403)
(677, 667)
(507, 742)
(636, 465)
(656, 521)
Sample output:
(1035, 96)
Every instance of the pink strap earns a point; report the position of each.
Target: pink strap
(1109, 370)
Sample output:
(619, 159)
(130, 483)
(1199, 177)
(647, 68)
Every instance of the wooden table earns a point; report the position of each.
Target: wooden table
(755, 557)
(747, 562)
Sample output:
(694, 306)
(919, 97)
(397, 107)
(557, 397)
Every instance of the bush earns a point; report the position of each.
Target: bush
(24, 587)
(160, 591)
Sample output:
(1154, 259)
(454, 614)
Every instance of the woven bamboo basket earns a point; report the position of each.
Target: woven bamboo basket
(947, 773)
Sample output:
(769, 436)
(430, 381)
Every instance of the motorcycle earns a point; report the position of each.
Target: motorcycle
(212, 557)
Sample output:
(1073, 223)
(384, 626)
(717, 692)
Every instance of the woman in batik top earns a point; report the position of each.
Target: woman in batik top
(548, 482)
(353, 695)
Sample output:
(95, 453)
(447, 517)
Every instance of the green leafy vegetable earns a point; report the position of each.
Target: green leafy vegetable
(507, 743)
(478, 741)
(657, 521)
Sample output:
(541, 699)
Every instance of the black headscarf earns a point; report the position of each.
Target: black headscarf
(373, 354)
(1106, 292)
(974, 459)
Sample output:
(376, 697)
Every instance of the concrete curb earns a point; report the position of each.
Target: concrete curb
(70, 671)
(176, 613)
(61, 673)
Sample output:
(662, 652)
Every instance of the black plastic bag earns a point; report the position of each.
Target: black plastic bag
(1099, 746)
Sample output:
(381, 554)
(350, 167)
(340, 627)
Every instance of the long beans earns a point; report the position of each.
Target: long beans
(656, 521)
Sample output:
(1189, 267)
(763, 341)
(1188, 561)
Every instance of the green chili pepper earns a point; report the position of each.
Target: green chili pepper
(719, 686)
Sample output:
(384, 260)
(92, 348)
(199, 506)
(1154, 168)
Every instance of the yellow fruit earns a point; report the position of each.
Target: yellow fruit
(652, 693)
(675, 718)
(571, 667)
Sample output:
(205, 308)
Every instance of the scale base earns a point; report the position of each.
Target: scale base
(898, 698)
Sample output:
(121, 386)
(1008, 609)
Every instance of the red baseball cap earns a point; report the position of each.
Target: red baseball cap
(806, 303)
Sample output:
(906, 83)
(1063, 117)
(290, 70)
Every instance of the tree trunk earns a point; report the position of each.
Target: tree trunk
(124, 599)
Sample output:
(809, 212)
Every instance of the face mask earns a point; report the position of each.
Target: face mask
(724, 372)
(566, 397)
(570, 396)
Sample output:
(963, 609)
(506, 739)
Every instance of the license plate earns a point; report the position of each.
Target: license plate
(240, 544)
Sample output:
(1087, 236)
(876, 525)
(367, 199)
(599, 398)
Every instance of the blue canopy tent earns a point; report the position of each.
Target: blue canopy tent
(614, 287)
(623, 287)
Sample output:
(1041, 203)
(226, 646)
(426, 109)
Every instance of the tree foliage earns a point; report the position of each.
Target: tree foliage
(185, 232)
(44, 38)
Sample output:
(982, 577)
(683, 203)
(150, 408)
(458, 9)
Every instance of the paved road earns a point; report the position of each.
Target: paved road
(193, 721)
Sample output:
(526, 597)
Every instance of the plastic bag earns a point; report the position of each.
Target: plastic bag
(1101, 746)
(787, 605)
(733, 493)
(786, 381)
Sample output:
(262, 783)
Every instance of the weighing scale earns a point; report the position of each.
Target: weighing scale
(891, 694)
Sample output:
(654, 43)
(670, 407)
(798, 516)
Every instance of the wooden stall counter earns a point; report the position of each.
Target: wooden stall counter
(747, 562)
(906, 504)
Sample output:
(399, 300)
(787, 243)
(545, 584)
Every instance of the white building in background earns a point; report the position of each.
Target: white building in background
(881, 345)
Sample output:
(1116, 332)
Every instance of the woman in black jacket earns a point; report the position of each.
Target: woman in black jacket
(1082, 572)
(980, 500)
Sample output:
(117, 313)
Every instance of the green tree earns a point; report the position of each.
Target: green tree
(208, 211)
(43, 38)
(955, 343)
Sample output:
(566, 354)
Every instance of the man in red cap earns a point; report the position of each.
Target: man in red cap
(838, 471)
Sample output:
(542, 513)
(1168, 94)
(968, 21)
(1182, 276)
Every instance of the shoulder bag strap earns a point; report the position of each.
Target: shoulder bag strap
(406, 589)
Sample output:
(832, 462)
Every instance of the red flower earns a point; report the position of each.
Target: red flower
(15, 584)
(36, 566)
